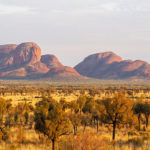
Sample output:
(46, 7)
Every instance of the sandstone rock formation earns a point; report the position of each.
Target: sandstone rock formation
(27, 53)
(63, 72)
(6, 49)
(24, 61)
(51, 61)
(110, 66)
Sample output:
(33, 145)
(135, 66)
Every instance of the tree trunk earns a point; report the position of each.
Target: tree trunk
(139, 119)
(53, 144)
(84, 128)
(97, 126)
(74, 130)
(114, 130)
(146, 122)
(20, 134)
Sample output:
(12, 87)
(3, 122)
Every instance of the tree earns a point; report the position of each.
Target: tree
(51, 120)
(3, 108)
(147, 113)
(94, 108)
(26, 115)
(138, 109)
(19, 114)
(96, 114)
(75, 121)
(92, 92)
(73, 106)
(85, 120)
(81, 102)
(115, 111)
(63, 103)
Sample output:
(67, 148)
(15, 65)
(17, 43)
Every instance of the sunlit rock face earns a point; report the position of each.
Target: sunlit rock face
(25, 61)
(28, 53)
(51, 61)
(25, 53)
(108, 65)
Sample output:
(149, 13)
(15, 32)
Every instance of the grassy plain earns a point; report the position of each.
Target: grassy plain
(32, 92)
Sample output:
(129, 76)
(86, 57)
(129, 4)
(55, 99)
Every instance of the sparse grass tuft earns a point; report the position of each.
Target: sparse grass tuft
(136, 141)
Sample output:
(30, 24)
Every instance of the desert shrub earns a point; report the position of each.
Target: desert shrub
(84, 141)
(12, 147)
(3, 134)
(132, 133)
(136, 141)
(146, 137)
(142, 133)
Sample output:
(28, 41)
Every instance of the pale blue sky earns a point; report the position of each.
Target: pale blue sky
(73, 29)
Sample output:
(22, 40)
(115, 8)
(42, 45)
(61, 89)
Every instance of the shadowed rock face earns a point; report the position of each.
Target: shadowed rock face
(6, 49)
(63, 72)
(56, 69)
(110, 66)
(51, 61)
(25, 61)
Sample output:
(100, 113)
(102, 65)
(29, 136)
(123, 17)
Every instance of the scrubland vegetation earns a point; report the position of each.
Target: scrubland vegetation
(74, 117)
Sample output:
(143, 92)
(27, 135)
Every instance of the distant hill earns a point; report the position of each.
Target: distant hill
(24, 61)
(108, 65)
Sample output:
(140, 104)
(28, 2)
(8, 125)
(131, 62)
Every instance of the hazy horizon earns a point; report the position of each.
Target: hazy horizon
(74, 29)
